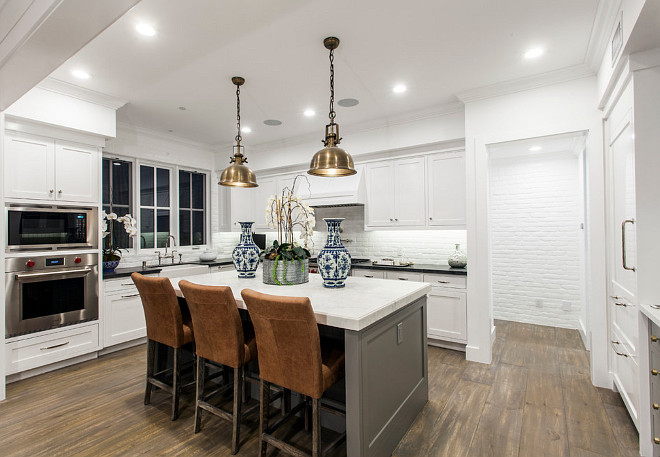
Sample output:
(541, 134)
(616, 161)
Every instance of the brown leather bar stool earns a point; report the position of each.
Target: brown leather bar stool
(165, 325)
(292, 356)
(220, 337)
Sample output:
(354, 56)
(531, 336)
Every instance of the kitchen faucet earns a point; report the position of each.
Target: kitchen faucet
(171, 255)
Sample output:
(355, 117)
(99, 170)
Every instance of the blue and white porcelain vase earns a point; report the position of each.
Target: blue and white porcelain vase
(246, 254)
(334, 260)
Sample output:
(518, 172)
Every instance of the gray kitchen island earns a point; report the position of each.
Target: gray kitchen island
(384, 330)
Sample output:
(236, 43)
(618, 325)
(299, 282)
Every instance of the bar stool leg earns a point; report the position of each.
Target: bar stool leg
(151, 355)
(264, 406)
(199, 395)
(237, 410)
(176, 383)
(316, 434)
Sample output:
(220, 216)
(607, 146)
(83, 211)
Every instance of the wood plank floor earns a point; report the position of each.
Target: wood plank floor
(534, 400)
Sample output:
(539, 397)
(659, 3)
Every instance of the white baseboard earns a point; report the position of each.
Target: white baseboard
(583, 334)
(53, 366)
(447, 345)
(125, 345)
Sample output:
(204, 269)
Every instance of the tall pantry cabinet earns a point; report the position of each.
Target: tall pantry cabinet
(632, 153)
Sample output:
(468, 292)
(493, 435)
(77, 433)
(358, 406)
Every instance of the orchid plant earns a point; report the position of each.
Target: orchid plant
(287, 212)
(112, 252)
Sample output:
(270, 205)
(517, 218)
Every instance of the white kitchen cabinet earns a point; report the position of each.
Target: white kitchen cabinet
(445, 175)
(39, 168)
(446, 315)
(267, 188)
(396, 193)
(404, 276)
(123, 316)
(242, 206)
(76, 172)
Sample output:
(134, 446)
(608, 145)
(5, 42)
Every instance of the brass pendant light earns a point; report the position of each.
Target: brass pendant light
(238, 174)
(332, 161)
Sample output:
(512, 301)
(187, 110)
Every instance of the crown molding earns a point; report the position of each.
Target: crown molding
(527, 83)
(361, 127)
(601, 31)
(131, 129)
(88, 95)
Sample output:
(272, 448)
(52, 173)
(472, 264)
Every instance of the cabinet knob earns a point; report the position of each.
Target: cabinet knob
(654, 372)
(654, 338)
(656, 406)
(396, 220)
(430, 218)
(52, 191)
(656, 440)
(59, 191)
(391, 220)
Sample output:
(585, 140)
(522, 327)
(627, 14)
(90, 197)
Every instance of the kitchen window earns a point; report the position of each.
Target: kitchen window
(192, 208)
(117, 197)
(155, 206)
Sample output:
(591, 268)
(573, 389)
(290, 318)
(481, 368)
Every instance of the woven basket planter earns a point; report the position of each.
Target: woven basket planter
(286, 273)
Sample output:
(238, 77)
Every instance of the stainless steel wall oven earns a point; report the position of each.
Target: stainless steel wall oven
(48, 291)
(43, 228)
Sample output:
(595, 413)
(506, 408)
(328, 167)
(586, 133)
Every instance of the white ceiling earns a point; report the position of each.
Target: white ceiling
(437, 48)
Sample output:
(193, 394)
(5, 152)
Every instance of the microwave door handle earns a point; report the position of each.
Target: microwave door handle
(25, 277)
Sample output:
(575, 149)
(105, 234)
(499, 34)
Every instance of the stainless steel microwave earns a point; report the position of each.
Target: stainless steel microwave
(47, 228)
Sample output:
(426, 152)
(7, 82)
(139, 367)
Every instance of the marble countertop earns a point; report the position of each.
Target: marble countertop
(652, 313)
(361, 303)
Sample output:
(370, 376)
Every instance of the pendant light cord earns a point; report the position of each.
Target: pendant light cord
(238, 115)
(332, 86)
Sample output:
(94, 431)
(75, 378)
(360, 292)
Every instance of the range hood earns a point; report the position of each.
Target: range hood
(328, 192)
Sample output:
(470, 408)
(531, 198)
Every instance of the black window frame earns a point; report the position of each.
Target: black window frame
(113, 207)
(190, 209)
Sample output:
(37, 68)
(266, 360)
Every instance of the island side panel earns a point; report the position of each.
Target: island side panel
(386, 380)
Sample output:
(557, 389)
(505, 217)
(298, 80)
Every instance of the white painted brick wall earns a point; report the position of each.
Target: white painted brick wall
(535, 239)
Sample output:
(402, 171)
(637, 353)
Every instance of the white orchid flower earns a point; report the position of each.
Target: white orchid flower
(112, 216)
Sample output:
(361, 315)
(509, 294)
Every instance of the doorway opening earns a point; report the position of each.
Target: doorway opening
(537, 229)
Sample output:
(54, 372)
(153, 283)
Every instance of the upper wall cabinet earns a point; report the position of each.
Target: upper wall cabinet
(249, 204)
(396, 193)
(39, 168)
(445, 175)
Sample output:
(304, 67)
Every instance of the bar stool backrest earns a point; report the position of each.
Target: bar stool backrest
(161, 310)
(287, 341)
(217, 324)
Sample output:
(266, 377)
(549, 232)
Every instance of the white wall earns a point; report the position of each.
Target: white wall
(54, 108)
(535, 239)
(560, 108)
(360, 139)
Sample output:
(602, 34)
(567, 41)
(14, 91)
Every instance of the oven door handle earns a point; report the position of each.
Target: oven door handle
(63, 274)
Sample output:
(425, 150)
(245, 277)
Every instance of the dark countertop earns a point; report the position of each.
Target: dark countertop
(415, 268)
(124, 272)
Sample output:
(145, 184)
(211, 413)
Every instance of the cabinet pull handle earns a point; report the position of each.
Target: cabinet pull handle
(654, 338)
(621, 304)
(131, 295)
(368, 276)
(126, 283)
(443, 282)
(615, 297)
(54, 346)
(623, 244)
(403, 279)
(622, 354)
(656, 406)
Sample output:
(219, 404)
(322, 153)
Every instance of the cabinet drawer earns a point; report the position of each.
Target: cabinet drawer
(626, 374)
(451, 281)
(654, 338)
(45, 349)
(404, 276)
(113, 286)
(220, 268)
(365, 273)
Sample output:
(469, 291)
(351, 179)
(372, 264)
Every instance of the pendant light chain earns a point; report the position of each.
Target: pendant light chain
(238, 114)
(332, 86)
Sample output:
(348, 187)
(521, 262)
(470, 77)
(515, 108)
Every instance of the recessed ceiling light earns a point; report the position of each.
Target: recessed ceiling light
(399, 89)
(246, 129)
(534, 53)
(272, 122)
(80, 74)
(535, 148)
(145, 29)
(309, 112)
(348, 102)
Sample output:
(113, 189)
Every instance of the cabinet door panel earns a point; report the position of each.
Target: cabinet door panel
(29, 167)
(124, 318)
(446, 189)
(267, 188)
(446, 315)
(242, 206)
(76, 173)
(410, 188)
(380, 194)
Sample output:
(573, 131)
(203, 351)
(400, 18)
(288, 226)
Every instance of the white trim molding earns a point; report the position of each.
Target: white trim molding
(71, 90)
